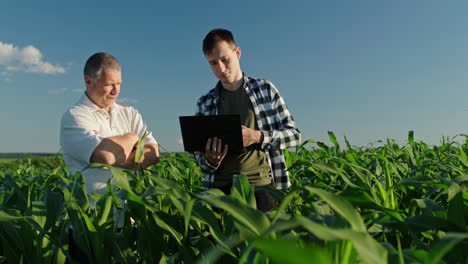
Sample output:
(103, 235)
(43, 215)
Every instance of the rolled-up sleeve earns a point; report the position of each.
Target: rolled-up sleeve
(77, 137)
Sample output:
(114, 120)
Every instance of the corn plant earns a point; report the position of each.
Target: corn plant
(381, 203)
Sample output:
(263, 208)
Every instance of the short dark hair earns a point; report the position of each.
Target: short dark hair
(99, 61)
(215, 36)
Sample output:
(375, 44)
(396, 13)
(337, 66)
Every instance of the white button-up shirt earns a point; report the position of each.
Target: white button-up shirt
(78, 139)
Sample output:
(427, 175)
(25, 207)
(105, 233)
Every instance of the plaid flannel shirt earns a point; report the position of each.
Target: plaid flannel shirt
(273, 119)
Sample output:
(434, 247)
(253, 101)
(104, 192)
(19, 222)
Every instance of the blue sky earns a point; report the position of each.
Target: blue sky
(367, 70)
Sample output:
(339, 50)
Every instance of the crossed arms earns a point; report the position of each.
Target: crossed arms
(120, 151)
(84, 144)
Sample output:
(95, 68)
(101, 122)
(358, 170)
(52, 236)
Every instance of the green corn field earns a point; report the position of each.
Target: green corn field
(383, 203)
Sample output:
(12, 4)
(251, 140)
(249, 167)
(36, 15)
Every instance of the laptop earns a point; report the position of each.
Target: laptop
(197, 129)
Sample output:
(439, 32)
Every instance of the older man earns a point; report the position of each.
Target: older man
(98, 130)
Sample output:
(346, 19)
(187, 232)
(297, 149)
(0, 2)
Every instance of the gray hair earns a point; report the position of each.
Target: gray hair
(98, 62)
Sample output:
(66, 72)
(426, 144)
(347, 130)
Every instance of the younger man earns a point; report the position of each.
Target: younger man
(267, 125)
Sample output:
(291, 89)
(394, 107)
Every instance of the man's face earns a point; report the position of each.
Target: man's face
(105, 90)
(224, 62)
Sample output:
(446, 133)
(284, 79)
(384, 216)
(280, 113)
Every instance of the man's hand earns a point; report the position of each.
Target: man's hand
(214, 151)
(150, 155)
(250, 136)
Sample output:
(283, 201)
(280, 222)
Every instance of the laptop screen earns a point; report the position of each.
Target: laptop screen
(197, 129)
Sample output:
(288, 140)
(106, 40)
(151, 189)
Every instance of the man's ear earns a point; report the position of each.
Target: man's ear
(238, 52)
(88, 80)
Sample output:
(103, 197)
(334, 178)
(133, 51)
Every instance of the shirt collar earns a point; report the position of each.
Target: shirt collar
(84, 100)
(246, 80)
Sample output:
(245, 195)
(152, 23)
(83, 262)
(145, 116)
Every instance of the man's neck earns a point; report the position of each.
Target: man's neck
(234, 85)
(107, 109)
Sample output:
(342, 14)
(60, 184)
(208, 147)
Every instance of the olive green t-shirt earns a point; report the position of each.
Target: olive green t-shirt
(251, 162)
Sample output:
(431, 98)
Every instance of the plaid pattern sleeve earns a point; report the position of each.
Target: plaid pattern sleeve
(206, 105)
(282, 132)
(277, 125)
